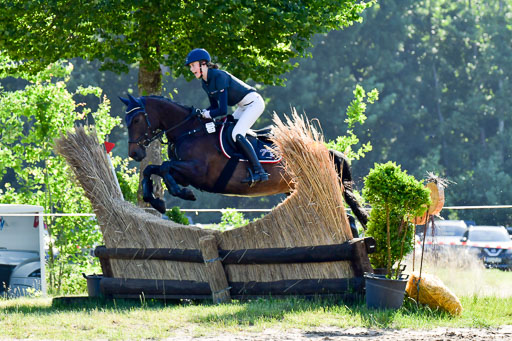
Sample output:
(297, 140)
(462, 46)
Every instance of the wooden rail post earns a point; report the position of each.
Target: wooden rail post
(361, 262)
(216, 274)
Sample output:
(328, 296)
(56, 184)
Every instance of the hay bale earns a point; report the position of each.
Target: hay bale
(433, 293)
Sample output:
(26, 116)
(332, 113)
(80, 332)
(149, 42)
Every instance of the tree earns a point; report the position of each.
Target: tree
(251, 39)
(30, 119)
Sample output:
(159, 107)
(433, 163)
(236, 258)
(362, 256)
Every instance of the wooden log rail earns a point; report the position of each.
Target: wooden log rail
(356, 251)
(304, 254)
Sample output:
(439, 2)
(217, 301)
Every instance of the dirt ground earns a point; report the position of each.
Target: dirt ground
(362, 334)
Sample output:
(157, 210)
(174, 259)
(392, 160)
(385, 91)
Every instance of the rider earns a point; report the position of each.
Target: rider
(224, 89)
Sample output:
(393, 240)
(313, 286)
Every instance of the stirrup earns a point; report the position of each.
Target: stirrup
(255, 177)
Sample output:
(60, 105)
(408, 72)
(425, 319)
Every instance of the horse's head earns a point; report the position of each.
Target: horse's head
(140, 128)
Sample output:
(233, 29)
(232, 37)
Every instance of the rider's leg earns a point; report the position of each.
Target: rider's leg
(246, 148)
(248, 111)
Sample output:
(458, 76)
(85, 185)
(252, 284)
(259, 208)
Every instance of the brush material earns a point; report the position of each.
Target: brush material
(313, 214)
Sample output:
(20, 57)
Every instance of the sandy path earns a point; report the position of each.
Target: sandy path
(331, 333)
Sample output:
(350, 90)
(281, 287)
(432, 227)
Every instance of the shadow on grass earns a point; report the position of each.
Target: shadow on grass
(275, 310)
(242, 313)
(84, 303)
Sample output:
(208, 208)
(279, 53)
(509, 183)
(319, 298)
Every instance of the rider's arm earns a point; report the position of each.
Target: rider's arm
(213, 103)
(222, 106)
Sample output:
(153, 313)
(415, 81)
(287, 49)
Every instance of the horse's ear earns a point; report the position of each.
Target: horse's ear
(124, 100)
(132, 99)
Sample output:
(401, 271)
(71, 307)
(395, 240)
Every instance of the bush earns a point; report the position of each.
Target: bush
(396, 199)
(177, 216)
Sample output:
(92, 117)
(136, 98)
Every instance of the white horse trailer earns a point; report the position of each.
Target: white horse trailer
(22, 250)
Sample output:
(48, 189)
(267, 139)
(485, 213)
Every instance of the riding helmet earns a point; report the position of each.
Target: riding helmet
(196, 55)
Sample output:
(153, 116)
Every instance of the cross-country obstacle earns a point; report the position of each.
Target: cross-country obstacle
(304, 246)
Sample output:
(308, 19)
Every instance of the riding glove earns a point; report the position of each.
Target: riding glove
(206, 113)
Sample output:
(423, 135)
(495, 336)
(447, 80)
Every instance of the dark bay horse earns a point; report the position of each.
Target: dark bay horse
(195, 156)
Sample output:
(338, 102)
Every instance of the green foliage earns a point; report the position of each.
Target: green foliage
(232, 219)
(128, 179)
(355, 114)
(177, 216)
(252, 39)
(396, 198)
(31, 119)
(377, 229)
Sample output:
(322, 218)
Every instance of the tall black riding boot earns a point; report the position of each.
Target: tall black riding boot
(246, 148)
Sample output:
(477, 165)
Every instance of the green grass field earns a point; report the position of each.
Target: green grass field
(487, 302)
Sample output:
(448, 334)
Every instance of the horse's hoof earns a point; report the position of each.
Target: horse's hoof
(187, 194)
(158, 204)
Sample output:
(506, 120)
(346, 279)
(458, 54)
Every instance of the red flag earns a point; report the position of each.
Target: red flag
(109, 146)
(36, 221)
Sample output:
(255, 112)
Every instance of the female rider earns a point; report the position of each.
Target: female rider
(224, 89)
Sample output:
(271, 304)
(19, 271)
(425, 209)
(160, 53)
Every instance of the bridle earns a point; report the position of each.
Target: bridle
(152, 135)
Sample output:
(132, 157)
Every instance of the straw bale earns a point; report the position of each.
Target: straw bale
(313, 214)
(433, 293)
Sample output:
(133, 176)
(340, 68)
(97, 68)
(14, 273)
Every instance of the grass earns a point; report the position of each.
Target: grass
(486, 296)
(40, 318)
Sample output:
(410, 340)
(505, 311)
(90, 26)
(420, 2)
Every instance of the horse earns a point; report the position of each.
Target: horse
(197, 156)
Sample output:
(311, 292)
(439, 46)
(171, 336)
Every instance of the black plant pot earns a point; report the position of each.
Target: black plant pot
(384, 293)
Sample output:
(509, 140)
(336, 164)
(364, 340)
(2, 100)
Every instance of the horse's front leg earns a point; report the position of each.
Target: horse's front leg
(181, 192)
(147, 188)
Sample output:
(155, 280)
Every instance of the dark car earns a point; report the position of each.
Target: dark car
(492, 244)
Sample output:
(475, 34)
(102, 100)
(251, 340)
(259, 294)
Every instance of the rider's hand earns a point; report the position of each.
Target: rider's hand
(206, 113)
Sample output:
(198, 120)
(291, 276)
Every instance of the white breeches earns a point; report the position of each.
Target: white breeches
(249, 109)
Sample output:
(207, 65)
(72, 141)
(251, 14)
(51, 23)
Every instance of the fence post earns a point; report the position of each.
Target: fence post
(216, 274)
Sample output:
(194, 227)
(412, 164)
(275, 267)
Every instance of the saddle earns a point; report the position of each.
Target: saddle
(260, 140)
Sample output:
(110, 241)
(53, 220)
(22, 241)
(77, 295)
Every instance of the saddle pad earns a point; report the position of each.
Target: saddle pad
(227, 146)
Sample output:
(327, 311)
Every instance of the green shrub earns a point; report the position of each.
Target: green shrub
(232, 218)
(177, 216)
(396, 198)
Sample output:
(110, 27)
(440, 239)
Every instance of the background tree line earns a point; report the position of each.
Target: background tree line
(442, 69)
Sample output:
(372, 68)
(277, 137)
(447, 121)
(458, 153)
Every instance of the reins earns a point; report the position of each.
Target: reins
(145, 140)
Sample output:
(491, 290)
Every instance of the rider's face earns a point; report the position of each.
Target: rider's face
(195, 68)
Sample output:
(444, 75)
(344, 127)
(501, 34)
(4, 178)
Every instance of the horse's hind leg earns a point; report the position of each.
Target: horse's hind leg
(172, 186)
(147, 188)
(343, 168)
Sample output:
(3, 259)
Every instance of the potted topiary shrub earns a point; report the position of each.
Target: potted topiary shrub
(396, 199)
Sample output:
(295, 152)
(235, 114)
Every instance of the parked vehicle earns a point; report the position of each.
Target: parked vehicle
(509, 229)
(22, 252)
(447, 233)
(492, 244)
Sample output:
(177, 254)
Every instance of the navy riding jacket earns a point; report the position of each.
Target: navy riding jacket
(224, 89)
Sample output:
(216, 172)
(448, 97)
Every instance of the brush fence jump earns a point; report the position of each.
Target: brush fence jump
(304, 246)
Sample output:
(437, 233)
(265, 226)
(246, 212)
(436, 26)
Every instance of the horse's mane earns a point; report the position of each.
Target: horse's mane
(189, 108)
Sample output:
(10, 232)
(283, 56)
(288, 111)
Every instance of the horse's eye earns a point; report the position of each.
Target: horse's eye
(136, 120)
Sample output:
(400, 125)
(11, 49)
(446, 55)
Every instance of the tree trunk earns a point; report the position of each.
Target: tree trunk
(150, 83)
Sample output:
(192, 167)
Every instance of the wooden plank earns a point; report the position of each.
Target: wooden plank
(216, 273)
(176, 289)
(121, 286)
(179, 255)
(305, 254)
(299, 287)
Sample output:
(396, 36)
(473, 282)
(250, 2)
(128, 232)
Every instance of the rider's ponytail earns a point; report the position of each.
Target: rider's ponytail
(212, 65)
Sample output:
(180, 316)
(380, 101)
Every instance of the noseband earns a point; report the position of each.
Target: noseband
(152, 135)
